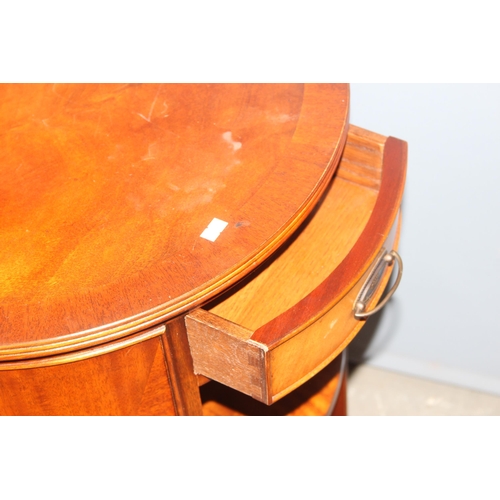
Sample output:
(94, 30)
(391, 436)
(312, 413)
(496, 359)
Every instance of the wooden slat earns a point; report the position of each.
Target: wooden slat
(362, 158)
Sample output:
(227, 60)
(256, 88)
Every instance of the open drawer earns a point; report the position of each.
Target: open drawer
(292, 316)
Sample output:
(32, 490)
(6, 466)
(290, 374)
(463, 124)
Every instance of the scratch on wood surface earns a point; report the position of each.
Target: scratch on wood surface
(149, 155)
(54, 90)
(151, 108)
(68, 92)
(164, 110)
(330, 328)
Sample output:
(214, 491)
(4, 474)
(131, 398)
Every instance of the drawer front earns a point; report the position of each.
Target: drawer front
(225, 352)
(312, 348)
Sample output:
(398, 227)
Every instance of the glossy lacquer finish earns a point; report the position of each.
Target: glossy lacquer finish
(106, 190)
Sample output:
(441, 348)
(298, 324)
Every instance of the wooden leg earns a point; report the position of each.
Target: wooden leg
(183, 381)
(340, 407)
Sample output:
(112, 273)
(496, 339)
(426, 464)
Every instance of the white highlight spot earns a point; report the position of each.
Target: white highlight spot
(173, 187)
(213, 230)
(228, 137)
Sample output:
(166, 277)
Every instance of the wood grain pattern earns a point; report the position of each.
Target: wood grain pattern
(229, 357)
(106, 189)
(362, 157)
(130, 381)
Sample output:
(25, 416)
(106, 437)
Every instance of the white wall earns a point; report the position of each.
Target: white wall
(444, 321)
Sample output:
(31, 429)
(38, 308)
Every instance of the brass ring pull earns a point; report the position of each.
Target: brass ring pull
(371, 284)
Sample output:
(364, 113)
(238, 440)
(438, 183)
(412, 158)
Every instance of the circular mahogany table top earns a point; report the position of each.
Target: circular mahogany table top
(106, 190)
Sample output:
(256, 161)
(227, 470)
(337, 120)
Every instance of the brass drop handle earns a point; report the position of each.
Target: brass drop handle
(371, 284)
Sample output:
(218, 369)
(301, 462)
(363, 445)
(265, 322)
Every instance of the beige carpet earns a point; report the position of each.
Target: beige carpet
(372, 391)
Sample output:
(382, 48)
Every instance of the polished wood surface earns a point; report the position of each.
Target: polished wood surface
(111, 302)
(129, 381)
(95, 381)
(107, 188)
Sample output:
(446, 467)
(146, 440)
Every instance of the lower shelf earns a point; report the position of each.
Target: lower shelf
(324, 394)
